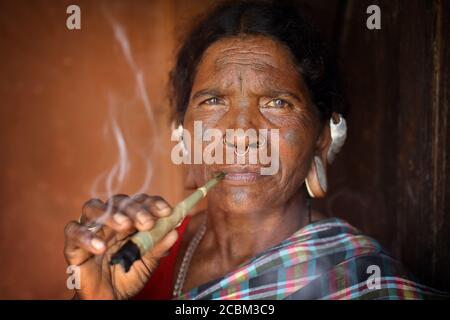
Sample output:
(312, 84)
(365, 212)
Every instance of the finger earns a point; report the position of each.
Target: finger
(119, 222)
(72, 252)
(126, 213)
(93, 215)
(79, 237)
(156, 205)
(139, 215)
(97, 213)
(116, 201)
(92, 211)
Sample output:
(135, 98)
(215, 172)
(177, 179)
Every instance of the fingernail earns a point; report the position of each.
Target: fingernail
(161, 205)
(97, 244)
(142, 217)
(119, 218)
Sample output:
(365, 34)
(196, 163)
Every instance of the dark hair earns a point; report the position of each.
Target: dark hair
(281, 22)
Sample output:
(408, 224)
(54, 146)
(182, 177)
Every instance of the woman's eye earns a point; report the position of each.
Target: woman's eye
(277, 103)
(212, 101)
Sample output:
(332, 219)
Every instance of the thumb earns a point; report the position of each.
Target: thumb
(152, 257)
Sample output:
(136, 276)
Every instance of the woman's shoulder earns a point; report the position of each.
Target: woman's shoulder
(355, 266)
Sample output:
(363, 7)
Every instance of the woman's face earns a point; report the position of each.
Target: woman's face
(252, 83)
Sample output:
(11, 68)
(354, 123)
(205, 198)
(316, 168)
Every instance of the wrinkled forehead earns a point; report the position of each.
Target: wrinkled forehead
(252, 56)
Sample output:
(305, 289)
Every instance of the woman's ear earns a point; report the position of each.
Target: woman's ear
(316, 179)
(178, 133)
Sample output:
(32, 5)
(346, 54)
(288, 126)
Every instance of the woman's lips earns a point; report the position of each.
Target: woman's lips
(244, 177)
(241, 175)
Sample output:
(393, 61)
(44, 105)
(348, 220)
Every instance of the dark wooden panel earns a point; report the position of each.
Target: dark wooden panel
(441, 146)
(415, 128)
(392, 178)
(363, 179)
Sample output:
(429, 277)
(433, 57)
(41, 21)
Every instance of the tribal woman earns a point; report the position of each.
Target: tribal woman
(248, 65)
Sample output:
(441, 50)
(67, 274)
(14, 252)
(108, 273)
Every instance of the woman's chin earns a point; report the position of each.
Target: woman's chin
(241, 201)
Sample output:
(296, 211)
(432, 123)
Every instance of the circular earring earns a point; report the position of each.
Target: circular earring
(338, 132)
(316, 180)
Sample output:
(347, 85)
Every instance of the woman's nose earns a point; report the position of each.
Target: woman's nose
(241, 133)
(242, 141)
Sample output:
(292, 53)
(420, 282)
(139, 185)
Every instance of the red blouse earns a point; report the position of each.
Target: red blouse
(160, 285)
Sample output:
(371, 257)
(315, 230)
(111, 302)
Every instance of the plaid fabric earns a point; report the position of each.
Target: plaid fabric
(329, 259)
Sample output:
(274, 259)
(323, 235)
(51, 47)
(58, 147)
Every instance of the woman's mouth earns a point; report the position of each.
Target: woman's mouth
(241, 175)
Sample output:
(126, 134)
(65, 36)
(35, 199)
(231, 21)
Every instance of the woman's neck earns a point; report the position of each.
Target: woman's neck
(238, 237)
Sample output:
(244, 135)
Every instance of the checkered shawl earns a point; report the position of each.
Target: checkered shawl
(329, 259)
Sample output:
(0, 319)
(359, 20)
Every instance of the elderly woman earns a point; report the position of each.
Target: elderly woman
(250, 66)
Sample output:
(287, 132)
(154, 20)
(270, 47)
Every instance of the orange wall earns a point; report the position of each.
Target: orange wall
(55, 85)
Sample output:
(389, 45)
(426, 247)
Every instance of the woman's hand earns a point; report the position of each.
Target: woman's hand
(121, 216)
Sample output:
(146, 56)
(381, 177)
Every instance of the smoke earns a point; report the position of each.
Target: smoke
(112, 181)
(121, 38)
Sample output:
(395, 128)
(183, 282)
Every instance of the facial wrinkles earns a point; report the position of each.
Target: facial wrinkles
(249, 79)
(255, 56)
(241, 76)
